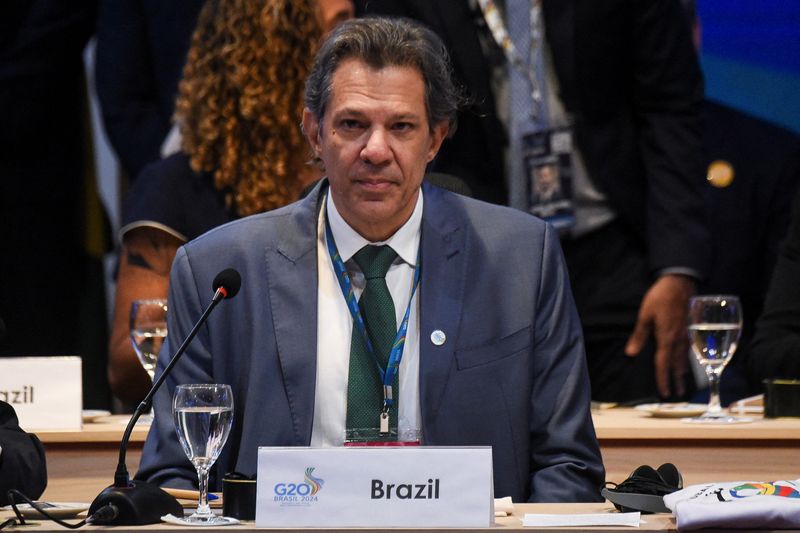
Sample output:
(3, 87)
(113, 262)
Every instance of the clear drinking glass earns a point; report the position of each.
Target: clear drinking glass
(203, 417)
(148, 331)
(148, 326)
(715, 322)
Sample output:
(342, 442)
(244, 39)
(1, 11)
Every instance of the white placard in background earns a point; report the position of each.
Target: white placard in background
(46, 392)
(375, 487)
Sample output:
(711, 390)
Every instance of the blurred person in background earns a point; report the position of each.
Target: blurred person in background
(141, 50)
(775, 349)
(615, 89)
(52, 232)
(753, 173)
(238, 111)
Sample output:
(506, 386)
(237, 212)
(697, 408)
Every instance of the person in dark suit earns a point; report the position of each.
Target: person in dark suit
(628, 77)
(22, 461)
(53, 299)
(754, 171)
(775, 349)
(492, 354)
(141, 49)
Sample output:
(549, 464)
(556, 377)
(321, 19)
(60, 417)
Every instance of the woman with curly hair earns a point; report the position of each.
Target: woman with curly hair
(239, 106)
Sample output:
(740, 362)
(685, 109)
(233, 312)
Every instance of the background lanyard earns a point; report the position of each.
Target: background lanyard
(396, 354)
(494, 20)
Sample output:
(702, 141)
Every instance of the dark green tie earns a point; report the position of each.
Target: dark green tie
(364, 389)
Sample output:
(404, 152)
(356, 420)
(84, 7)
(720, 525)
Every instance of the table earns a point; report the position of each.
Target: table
(661, 522)
(81, 463)
(764, 450)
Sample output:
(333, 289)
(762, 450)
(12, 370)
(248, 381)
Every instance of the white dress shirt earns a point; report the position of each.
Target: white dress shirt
(335, 325)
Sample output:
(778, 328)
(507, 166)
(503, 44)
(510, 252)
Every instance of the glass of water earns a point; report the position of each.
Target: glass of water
(203, 417)
(148, 330)
(715, 323)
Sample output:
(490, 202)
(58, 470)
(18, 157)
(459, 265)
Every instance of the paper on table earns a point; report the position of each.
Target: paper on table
(503, 506)
(591, 519)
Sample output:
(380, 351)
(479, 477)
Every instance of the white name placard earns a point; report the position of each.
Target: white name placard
(46, 392)
(375, 487)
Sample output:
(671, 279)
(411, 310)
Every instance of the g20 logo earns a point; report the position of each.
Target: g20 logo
(293, 489)
(310, 486)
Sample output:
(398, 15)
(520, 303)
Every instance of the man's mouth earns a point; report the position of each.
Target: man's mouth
(375, 184)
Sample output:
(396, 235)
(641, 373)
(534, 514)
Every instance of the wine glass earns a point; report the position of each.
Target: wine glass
(715, 322)
(148, 325)
(148, 330)
(203, 417)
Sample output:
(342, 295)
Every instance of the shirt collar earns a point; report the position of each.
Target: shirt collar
(405, 241)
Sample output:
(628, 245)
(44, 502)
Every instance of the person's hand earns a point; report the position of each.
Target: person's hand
(663, 313)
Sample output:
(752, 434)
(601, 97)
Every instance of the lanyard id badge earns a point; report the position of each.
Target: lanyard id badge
(547, 160)
(406, 437)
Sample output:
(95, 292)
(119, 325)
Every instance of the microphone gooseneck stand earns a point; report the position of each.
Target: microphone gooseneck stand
(138, 502)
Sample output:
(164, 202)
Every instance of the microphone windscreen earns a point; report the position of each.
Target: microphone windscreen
(230, 280)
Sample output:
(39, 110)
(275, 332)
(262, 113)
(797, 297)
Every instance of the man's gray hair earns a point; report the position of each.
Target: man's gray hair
(381, 42)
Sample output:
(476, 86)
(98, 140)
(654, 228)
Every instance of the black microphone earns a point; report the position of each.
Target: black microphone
(138, 502)
(227, 283)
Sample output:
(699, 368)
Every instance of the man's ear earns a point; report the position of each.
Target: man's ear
(311, 130)
(438, 134)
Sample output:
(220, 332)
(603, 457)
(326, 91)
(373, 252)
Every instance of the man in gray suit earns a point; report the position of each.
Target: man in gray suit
(483, 334)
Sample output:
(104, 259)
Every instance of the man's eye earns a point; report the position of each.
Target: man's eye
(402, 126)
(350, 124)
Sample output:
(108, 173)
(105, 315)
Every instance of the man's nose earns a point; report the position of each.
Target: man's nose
(376, 151)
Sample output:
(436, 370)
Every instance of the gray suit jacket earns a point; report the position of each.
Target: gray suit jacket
(511, 373)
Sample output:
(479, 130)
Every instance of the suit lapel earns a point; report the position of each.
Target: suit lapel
(292, 282)
(441, 297)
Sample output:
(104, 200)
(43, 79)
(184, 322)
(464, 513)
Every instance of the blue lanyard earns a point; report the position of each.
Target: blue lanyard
(387, 377)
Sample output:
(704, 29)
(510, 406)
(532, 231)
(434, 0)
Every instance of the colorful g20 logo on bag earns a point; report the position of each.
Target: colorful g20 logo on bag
(299, 493)
(776, 488)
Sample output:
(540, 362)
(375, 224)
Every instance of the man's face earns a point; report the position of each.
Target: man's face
(375, 142)
(547, 178)
(334, 12)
